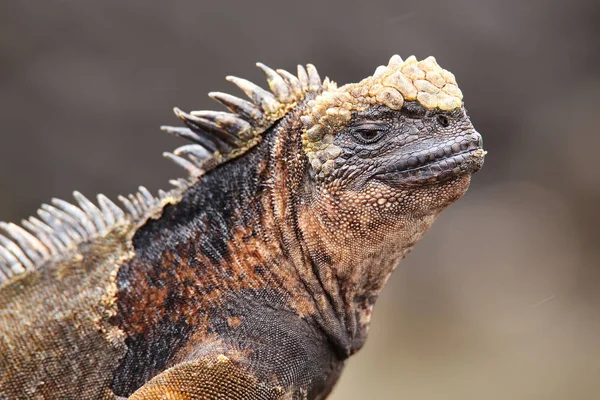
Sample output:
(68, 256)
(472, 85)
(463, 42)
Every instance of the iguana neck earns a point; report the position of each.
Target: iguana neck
(340, 269)
(250, 231)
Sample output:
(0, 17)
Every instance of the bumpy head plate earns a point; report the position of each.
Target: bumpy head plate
(410, 80)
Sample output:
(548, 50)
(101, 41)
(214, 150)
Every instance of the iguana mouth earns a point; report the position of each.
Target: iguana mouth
(439, 164)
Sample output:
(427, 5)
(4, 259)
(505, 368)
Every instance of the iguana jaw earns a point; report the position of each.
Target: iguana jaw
(441, 162)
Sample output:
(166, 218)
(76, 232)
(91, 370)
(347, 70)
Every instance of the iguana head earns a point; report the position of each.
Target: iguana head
(403, 127)
(391, 149)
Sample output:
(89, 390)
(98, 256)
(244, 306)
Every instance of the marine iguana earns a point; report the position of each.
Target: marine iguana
(255, 276)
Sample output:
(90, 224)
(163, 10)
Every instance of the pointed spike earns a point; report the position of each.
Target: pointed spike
(77, 230)
(135, 202)
(54, 236)
(15, 266)
(328, 84)
(293, 82)
(113, 213)
(109, 217)
(190, 135)
(187, 119)
(226, 129)
(209, 125)
(303, 77)
(77, 214)
(395, 60)
(25, 245)
(277, 85)
(93, 212)
(128, 206)
(42, 236)
(75, 227)
(196, 154)
(39, 225)
(195, 150)
(33, 229)
(223, 140)
(243, 108)
(149, 199)
(182, 162)
(65, 234)
(215, 116)
(179, 183)
(258, 95)
(142, 202)
(314, 80)
(179, 113)
(64, 225)
(30, 239)
(30, 227)
(28, 243)
(6, 271)
(16, 251)
(162, 194)
(230, 123)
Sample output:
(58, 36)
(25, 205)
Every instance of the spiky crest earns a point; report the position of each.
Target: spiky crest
(217, 136)
(220, 136)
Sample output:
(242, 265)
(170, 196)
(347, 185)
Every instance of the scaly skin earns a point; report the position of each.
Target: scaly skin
(258, 279)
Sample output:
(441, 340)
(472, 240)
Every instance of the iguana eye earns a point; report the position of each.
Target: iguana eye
(443, 120)
(368, 133)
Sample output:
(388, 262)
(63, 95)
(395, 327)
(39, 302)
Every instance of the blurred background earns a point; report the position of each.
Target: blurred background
(500, 300)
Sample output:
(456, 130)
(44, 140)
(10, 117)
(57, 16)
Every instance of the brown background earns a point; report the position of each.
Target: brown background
(500, 300)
